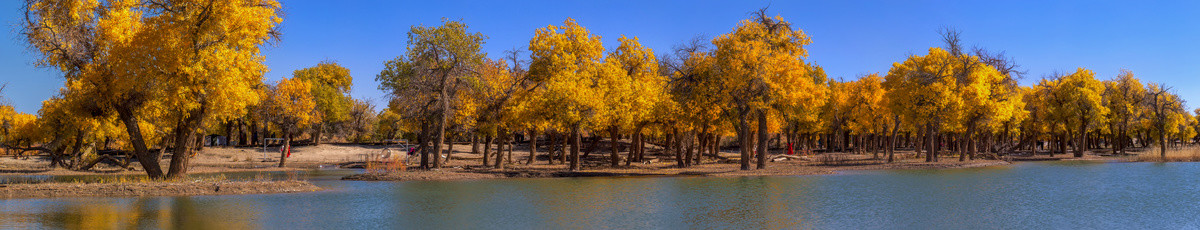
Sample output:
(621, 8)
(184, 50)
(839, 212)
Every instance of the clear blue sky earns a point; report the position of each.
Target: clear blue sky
(1157, 40)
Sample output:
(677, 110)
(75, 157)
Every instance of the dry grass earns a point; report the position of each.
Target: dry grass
(1184, 154)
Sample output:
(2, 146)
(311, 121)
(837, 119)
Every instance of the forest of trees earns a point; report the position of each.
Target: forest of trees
(148, 79)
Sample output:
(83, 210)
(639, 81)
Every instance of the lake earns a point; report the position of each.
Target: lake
(1054, 195)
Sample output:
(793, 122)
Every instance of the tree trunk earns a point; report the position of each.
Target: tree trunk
(533, 139)
(511, 142)
(254, 133)
(744, 139)
(1081, 145)
(423, 145)
(553, 147)
(1062, 142)
(438, 141)
(673, 140)
(444, 114)
(564, 146)
(317, 134)
(614, 158)
(762, 139)
(1162, 147)
(148, 160)
(287, 146)
(632, 149)
(474, 143)
(575, 139)
(640, 146)
(931, 140)
(487, 149)
(593, 144)
(182, 152)
(500, 151)
(689, 149)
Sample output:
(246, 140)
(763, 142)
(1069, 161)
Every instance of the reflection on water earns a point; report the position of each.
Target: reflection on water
(128, 213)
(1034, 195)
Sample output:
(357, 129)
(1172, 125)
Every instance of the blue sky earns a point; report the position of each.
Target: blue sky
(1157, 40)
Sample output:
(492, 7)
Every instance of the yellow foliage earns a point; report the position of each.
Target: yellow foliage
(290, 104)
(567, 60)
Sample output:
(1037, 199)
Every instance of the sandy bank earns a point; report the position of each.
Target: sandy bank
(663, 169)
(134, 189)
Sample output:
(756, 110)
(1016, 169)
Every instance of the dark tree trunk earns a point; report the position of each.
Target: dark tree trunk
(632, 149)
(593, 144)
(575, 139)
(438, 141)
(762, 139)
(474, 143)
(689, 149)
(744, 139)
(500, 151)
(511, 142)
(287, 146)
(317, 133)
(254, 133)
(487, 149)
(423, 145)
(553, 147)
(563, 148)
(533, 139)
(931, 140)
(1162, 147)
(148, 160)
(614, 158)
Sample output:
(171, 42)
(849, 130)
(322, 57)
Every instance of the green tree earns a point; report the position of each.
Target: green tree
(331, 90)
(438, 60)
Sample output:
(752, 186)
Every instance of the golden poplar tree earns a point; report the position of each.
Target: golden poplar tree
(567, 60)
(291, 106)
(762, 63)
(180, 61)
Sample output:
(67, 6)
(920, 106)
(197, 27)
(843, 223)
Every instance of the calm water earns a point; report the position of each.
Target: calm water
(1022, 196)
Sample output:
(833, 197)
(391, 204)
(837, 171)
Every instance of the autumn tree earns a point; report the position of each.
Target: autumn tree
(1124, 97)
(567, 60)
(437, 61)
(331, 89)
(1081, 109)
(870, 118)
(922, 92)
(180, 61)
(362, 118)
(500, 93)
(631, 87)
(694, 97)
(290, 105)
(762, 62)
(1165, 114)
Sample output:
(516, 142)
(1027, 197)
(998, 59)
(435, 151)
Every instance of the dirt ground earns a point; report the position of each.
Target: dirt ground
(464, 165)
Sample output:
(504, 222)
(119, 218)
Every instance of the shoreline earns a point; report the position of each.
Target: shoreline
(44, 171)
(707, 170)
(467, 166)
(148, 189)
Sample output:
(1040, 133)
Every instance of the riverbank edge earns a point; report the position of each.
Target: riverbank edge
(722, 170)
(145, 189)
(194, 170)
